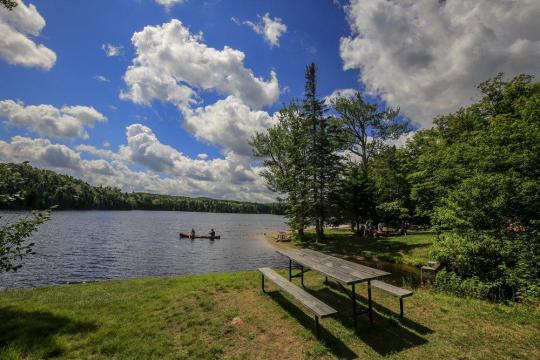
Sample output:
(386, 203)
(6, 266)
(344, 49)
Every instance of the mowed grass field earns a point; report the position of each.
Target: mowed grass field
(226, 316)
(412, 249)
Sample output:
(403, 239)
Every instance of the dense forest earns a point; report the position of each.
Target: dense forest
(42, 189)
(474, 177)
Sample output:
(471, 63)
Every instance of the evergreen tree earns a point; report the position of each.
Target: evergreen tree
(324, 160)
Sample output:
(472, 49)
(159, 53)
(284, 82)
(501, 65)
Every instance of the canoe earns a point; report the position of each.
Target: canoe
(188, 236)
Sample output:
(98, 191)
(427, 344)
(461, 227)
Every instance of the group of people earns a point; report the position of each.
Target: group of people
(212, 233)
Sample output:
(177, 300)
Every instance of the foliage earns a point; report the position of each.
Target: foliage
(13, 240)
(8, 4)
(41, 189)
(301, 159)
(392, 189)
(367, 127)
(477, 175)
(489, 265)
(284, 149)
(368, 131)
(325, 163)
(13, 235)
(355, 198)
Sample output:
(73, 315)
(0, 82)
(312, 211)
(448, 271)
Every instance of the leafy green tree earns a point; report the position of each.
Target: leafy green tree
(477, 176)
(355, 199)
(368, 128)
(9, 4)
(284, 148)
(390, 168)
(14, 234)
(368, 131)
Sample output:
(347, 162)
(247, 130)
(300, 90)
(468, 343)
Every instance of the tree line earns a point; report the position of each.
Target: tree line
(42, 189)
(474, 177)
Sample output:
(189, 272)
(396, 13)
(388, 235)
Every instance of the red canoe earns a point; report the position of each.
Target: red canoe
(188, 236)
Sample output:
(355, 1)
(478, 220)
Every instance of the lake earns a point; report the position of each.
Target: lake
(79, 246)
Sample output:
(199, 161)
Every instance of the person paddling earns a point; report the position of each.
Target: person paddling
(212, 233)
(192, 233)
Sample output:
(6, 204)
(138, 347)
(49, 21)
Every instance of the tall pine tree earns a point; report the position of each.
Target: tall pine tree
(324, 160)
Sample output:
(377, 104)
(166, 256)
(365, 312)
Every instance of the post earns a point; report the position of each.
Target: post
(302, 275)
(262, 282)
(355, 316)
(401, 307)
(317, 326)
(369, 303)
(290, 269)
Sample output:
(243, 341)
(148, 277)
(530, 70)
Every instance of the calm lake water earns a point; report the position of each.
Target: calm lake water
(77, 246)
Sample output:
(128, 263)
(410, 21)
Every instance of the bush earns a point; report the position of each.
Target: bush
(489, 265)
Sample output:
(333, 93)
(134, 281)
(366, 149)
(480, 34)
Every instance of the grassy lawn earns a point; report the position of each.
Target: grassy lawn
(227, 316)
(412, 249)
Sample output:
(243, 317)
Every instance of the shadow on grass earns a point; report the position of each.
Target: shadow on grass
(390, 315)
(386, 335)
(335, 345)
(370, 248)
(34, 331)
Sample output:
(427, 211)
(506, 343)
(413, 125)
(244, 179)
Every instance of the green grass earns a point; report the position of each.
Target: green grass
(412, 249)
(227, 316)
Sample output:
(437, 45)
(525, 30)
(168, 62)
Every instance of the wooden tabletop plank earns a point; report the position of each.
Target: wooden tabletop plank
(318, 266)
(348, 264)
(336, 268)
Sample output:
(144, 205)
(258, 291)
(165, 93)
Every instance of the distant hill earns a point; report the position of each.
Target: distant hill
(41, 189)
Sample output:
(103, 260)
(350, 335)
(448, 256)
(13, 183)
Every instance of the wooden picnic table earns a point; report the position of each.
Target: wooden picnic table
(342, 271)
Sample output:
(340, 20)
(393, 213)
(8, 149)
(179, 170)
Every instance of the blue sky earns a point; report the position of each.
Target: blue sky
(189, 83)
(77, 38)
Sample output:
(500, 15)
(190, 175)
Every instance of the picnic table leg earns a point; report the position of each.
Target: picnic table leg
(326, 280)
(369, 302)
(401, 308)
(317, 326)
(290, 270)
(353, 297)
(262, 282)
(302, 275)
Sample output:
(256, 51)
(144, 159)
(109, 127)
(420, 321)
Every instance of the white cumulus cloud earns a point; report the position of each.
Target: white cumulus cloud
(428, 56)
(171, 64)
(228, 123)
(270, 29)
(47, 120)
(41, 152)
(17, 27)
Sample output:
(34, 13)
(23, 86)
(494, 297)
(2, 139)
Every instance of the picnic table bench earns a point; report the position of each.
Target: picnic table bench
(309, 301)
(393, 290)
(342, 271)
